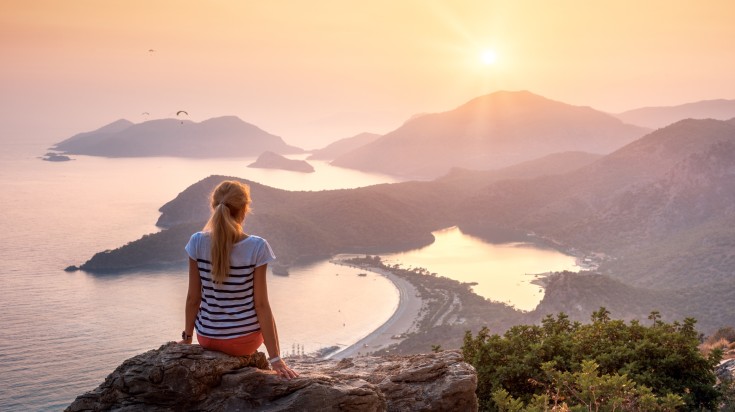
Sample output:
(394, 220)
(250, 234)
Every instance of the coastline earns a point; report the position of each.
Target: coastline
(402, 321)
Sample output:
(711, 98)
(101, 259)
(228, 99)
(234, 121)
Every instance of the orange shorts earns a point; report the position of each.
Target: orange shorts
(241, 346)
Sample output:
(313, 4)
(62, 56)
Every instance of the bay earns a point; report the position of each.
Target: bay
(64, 332)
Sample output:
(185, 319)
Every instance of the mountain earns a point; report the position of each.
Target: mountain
(662, 206)
(270, 160)
(490, 132)
(342, 146)
(656, 117)
(218, 137)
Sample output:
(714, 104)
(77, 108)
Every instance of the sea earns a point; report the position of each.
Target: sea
(64, 332)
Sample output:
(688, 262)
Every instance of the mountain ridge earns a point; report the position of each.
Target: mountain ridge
(225, 136)
(660, 116)
(342, 146)
(488, 132)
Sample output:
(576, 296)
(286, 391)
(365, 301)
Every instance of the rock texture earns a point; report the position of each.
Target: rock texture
(188, 377)
(726, 370)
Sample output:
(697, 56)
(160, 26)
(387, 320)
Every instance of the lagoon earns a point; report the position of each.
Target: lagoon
(503, 272)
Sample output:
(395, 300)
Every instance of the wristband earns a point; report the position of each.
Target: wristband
(274, 359)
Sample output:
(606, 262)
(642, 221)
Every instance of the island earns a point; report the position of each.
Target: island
(55, 157)
(271, 160)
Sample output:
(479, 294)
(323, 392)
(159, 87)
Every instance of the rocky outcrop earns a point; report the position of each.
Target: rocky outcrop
(726, 370)
(188, 377)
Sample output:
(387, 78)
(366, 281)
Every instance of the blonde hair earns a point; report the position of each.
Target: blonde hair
(230, 202)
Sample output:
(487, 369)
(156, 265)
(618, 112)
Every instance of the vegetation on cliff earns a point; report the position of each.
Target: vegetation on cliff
(594, 365)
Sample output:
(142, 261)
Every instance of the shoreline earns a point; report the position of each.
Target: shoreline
(402, 321)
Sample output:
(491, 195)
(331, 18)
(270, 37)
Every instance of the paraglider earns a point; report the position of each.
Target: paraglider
(180, 112)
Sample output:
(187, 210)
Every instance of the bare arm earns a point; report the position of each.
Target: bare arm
(268, 323)
(193, 299)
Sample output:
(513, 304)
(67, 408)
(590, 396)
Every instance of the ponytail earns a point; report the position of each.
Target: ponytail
(229, 201)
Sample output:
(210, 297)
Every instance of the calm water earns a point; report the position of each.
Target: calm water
(503, 272)
(64, 332)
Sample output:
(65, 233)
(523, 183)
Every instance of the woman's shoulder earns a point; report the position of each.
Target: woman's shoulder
(199, 236)
(254, 240)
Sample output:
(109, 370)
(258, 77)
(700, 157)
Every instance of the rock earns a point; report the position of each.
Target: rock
(270, 160)
(726, 370)
(187, 377)
(54, 157)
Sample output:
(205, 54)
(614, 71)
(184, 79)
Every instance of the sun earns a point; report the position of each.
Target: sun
(488, 57)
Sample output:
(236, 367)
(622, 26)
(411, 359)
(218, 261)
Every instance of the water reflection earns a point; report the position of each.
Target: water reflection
(503, 272)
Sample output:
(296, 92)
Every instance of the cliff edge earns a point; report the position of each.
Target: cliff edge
(189, 377)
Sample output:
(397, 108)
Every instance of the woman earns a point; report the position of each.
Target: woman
(227, 301)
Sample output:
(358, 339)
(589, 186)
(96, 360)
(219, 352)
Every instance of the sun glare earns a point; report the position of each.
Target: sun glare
(488, 57)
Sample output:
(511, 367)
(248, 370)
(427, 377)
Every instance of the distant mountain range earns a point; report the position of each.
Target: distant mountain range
(489, 132)
(656, 117)
(342, 146)
(218, 137)
(486, 133)
(661, 209)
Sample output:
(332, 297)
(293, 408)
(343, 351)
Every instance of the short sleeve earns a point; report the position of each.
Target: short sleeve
(193, 246)
(264, 254)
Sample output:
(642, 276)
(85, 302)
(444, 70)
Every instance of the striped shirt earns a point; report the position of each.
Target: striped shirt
(227, 310)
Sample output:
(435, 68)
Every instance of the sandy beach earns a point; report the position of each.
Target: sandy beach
(401, 322)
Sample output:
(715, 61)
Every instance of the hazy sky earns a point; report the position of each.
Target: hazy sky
(314, 71)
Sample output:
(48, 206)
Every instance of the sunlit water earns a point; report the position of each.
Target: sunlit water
(503, 272)
(64, 332)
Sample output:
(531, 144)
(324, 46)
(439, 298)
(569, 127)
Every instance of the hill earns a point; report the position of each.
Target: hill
(342, 146)
(656, 117)
(553, 164)
(660, 205)
(218, 137)
(270, 160)
(489, 132)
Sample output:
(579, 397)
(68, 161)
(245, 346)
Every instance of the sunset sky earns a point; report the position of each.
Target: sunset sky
(316, 71)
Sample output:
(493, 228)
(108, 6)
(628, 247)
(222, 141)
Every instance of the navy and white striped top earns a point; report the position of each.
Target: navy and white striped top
(227, 310)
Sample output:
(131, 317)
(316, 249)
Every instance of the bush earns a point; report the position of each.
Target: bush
(528, 360)
(726, 333)
(587, 390)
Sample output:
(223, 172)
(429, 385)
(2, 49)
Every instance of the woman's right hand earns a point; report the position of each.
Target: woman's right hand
(283, 370)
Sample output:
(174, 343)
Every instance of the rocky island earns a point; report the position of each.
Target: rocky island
(55, 157)
(270, 160)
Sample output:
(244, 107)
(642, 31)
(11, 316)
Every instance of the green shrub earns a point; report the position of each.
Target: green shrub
(527, 360)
